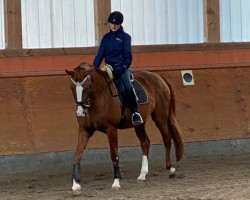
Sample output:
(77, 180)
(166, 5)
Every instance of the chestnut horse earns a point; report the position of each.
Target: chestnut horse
(98, 109)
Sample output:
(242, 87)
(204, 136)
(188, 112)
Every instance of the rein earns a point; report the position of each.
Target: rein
(107, 80)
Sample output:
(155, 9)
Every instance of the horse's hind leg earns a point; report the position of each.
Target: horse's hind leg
(145, 144)
(166, 136)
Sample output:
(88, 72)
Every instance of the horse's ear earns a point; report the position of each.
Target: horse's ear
(69, 72)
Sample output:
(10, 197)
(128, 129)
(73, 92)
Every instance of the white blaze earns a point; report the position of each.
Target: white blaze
(80, 111)
(79, 89)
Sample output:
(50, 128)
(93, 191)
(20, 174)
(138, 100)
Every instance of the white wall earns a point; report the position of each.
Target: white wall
(70, 23)
(57, 23)
(2, 35)
(234, 20)
(162, 21)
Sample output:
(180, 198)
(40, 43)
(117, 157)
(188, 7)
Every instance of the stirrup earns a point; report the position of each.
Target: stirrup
(136, 118)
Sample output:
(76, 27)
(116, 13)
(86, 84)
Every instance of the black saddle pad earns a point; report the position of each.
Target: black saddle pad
(141, 94)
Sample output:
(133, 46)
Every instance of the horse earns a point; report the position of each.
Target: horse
(99, 109)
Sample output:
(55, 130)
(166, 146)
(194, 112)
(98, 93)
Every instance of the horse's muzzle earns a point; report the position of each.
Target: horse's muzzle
(81, 112)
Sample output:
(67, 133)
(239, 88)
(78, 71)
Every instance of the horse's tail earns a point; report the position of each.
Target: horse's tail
(173, 126)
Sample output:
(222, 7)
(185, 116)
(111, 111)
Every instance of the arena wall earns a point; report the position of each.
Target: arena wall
(38, 110)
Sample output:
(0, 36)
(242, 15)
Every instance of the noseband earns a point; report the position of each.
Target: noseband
(85, 103)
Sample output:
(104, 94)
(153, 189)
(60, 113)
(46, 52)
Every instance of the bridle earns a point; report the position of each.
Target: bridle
(86, 102)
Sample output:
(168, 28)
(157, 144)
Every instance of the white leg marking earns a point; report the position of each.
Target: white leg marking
(171, 171)
(76, 186)
(144, 168)
(116, 184)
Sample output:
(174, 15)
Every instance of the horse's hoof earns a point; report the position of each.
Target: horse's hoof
(76, 186)
(76, 193)
(141, 178)
(116, 187)
(172, 175)
(172, 172)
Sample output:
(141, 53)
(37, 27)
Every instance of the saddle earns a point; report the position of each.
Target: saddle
(140, 92)
(137, 87)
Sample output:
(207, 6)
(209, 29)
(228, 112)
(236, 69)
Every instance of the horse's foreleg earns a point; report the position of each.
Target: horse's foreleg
(113, 142)
(83, 137)
(145, 144)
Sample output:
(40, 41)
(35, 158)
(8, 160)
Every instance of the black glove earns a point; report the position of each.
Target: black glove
(124, 68)
(120, 71)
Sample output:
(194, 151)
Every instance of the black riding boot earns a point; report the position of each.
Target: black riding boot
(133, 104)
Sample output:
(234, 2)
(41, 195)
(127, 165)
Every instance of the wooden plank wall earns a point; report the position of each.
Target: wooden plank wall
(13, 24)
(211, 17)
(102, 11)
(166, 57)
(38, 113)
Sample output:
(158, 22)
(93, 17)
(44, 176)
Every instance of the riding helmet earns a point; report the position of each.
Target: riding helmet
(115, 17)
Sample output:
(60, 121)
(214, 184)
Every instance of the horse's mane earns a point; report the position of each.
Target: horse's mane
(84, 66)
(82, 69)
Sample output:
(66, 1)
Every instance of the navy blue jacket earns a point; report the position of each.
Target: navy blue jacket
(115, 47)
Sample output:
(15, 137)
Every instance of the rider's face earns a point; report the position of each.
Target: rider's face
(114, 27)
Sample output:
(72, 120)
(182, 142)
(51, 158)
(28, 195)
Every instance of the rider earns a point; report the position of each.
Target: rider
(115, 47)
